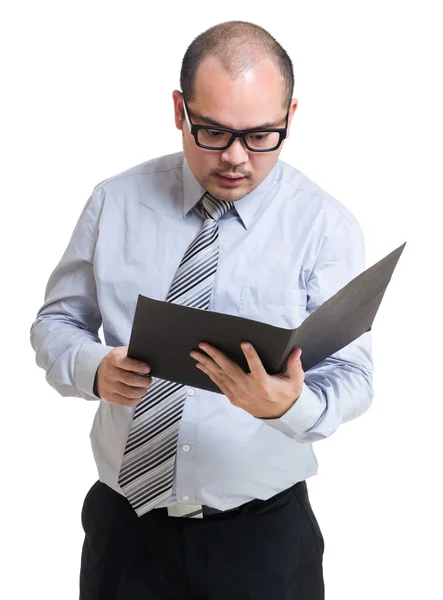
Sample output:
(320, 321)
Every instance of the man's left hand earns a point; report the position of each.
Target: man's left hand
(263, 396)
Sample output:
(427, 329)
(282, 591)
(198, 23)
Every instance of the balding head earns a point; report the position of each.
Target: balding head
(237, 80)
(239, 46)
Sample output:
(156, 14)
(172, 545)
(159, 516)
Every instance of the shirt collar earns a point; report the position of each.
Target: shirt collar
(246, 207)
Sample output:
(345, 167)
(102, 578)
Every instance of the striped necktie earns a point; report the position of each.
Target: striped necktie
(146, 473)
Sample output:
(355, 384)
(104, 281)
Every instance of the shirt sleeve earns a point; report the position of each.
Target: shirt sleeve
(65, 333)
(339, 388)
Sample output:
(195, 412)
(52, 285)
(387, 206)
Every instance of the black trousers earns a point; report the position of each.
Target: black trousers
(269, 550)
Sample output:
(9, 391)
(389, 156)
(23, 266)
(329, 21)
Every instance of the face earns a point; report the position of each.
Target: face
(253, 100)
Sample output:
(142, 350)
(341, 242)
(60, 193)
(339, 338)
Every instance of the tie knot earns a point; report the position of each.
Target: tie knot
(215, 209)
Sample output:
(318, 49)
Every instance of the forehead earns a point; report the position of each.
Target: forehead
(255, 95)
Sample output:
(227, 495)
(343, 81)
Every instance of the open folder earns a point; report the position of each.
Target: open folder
(163, 333)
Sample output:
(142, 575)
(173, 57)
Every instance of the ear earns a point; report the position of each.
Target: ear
(177, 97)
(292, 109)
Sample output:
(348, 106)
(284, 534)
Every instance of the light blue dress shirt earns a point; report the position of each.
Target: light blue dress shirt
(285, 249)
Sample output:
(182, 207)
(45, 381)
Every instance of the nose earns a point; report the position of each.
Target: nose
(236, 154)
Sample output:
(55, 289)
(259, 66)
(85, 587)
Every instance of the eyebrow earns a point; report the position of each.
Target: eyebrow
(217, 124)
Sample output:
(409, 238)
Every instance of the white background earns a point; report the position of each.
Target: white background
(86, 94)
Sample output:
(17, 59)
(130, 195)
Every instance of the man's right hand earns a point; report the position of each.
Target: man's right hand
(118, 379)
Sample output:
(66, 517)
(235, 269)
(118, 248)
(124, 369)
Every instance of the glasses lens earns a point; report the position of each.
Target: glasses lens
(262, 140)
(213, 138)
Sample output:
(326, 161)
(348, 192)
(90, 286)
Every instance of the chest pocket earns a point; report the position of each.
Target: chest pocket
(276, 306)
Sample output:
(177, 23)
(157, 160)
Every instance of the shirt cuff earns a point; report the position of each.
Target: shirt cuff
(88, 359)
(305, 412)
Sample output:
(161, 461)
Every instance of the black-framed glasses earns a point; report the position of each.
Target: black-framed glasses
(210, 137)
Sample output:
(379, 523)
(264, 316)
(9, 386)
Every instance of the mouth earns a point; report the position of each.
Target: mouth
(230, 180)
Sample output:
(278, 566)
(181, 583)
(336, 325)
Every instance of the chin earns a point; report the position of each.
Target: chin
(228, 195)
(222, 193)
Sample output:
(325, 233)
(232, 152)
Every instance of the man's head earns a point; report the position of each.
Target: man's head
(236, 76)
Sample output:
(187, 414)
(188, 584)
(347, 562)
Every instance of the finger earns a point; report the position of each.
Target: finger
(212, 367)
(207, 362)
(204, 359)
(294, 364)
(133, 379)
(122, 361)
(220, 383)
(254, 363)
(227, 365)
(130, 392)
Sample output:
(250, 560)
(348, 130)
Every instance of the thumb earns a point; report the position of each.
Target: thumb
(294, 363)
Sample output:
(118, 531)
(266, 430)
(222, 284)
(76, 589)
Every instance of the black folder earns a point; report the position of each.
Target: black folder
(163, 333)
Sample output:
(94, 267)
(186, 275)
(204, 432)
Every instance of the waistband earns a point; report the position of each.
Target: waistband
(199, 511)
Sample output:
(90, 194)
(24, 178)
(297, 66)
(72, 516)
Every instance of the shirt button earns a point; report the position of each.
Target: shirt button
(186, 448)
(191, 392)
(185, 497)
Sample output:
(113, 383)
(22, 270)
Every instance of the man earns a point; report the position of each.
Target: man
(203, 495)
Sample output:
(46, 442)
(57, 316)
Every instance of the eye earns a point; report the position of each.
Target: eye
(259, 137)
(214, 133)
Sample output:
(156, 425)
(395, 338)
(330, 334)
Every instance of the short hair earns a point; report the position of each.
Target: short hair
(239, 45)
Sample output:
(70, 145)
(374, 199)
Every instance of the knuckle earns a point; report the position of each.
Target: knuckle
(264, 386)
(119, 353)
(114, 355)
(265, 391)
